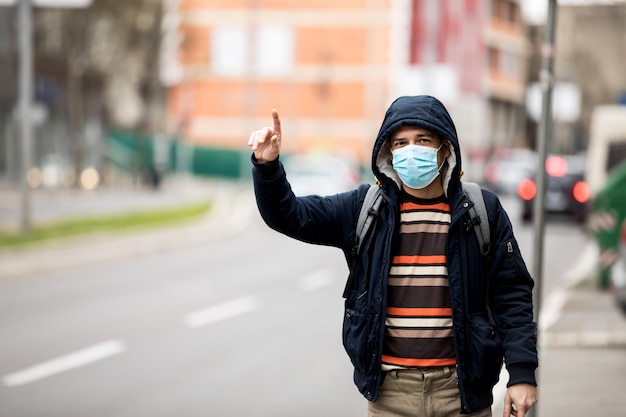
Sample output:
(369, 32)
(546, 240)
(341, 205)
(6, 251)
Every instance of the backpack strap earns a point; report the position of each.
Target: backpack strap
(479, 221)
(369, 210)
(478, 215)
(367, 217)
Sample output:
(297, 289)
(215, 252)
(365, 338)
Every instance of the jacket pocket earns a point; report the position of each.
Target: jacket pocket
(484, 359)
(356, 333)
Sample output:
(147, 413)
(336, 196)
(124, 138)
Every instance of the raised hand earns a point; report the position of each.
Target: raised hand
(265, 142)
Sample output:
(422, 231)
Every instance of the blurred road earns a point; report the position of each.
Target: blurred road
(223, 317)
(244, 326)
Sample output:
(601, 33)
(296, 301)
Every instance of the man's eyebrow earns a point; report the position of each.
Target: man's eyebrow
(417, 135)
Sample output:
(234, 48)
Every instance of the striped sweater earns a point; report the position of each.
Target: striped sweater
(418, 328)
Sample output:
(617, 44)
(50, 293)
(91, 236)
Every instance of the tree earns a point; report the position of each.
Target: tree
(109, 54)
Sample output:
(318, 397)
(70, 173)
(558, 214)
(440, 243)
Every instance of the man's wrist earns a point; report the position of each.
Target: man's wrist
(263, 161)
(267, 167)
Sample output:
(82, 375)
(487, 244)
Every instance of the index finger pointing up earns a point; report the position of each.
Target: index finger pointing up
(276, 122)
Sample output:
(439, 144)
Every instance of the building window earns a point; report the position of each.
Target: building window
(272, 50)
(275, 50)
(508, 63)
(505, 10)
(511, 16)
(229, 50)
(493, 59)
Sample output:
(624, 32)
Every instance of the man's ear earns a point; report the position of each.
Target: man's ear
(447, 145)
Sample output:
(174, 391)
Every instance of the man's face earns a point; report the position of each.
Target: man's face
(414, 135)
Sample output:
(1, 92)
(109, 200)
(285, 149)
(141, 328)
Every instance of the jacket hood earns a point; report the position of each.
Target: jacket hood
(423, 111)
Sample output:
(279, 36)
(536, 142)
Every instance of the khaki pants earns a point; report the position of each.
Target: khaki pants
(420, 393)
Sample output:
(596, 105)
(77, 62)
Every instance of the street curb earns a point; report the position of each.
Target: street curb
(226, 218)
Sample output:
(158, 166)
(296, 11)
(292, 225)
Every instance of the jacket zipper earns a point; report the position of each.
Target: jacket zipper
(380, 323)
(460, 209)
(510, 251)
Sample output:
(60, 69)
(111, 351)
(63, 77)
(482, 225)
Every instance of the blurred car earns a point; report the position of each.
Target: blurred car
(322, 174)
(507, 168)
(567, 192)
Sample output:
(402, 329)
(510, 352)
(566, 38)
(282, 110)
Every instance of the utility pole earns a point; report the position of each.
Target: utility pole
(546, 78)
(26, 94)
(25, 105)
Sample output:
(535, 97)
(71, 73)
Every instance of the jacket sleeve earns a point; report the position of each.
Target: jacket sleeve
(324, 220)
(511, 301)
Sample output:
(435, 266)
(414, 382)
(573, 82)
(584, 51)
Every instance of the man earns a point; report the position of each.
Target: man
(428, 319)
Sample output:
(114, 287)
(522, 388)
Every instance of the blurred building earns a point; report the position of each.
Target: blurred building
(95, 73)
(508, 50)
(331, 67)
(591, 54)
(324, 65)
(473, 54)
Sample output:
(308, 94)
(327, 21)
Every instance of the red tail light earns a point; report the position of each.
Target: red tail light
(556, 166)
(527, 189)
(581, 192)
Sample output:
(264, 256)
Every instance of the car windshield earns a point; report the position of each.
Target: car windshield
(321, 174)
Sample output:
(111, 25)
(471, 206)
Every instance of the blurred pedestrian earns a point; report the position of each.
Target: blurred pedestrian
(428, 319)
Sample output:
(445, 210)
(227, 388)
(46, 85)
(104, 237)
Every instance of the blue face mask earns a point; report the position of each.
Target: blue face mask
(416, 165)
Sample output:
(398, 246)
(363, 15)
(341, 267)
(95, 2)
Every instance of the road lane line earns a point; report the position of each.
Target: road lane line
(584, 266)
(551, 309)
(220, 312)
(65, 363)
(316, 280)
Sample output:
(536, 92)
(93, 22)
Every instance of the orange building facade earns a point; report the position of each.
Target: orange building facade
(331, 68)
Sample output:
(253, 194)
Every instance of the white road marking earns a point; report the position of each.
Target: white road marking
(220, 312)
(551, 310)
(65, 363)
(584, 266)
(316, 280)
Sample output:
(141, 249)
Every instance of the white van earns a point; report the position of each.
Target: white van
(607, 144)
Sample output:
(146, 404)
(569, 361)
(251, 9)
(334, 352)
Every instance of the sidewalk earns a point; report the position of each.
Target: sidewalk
(49, 205)
(230, 201)
(583, 357)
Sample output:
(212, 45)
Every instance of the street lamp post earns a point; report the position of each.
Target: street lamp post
(545, 129)
(25, 104)
(546, 77)
(25, 36)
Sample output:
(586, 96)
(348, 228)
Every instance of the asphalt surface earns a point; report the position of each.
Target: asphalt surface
(582, 342)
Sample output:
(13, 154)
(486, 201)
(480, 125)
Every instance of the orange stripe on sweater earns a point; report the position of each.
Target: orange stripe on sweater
(419, 312)
(418, 362)
(430, 207)
(420, 260)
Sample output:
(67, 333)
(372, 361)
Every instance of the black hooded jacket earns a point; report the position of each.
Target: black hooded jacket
(498, 283)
